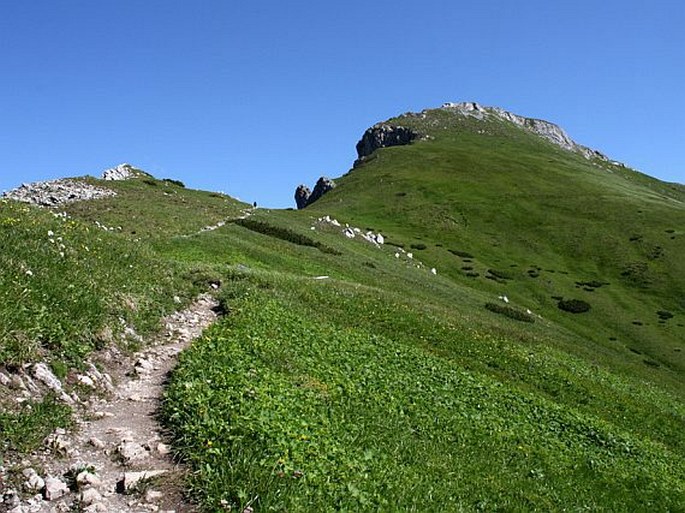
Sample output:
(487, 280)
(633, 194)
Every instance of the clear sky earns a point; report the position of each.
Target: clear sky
(253, 98)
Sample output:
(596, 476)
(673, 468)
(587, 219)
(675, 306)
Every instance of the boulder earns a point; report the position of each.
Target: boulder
(323, 185)
(302, 194)
(54, 489)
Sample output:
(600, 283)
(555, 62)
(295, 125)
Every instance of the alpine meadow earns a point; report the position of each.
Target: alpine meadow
(480, 315)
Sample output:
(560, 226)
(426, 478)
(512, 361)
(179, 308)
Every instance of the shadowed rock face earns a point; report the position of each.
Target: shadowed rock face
(323, 185)
(383, 135)
(302, 194)
(304, 198)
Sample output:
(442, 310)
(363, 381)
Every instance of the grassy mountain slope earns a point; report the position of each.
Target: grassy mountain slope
(348, 377)
(542, 216)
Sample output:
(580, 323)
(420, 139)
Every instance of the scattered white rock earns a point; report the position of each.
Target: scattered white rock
(54, 488)
(43, 374)
(86, 478)
(434, 270)
(144, 365)
(131, 479)
(58, 441)
(163, 449)
(86, 380)
(153, 496)
(34, 483)
(5, 379)
(56, 192)
(89, 496)
(504, 298)
(96, 442)
(131, 451)
(121, 172)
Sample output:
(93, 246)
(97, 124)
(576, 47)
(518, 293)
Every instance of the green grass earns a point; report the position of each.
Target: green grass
(283, 406)
(23, 427)
(346, 379)
(68, 288)
(156, 209)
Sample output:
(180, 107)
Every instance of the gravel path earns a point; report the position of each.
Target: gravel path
(106, 464)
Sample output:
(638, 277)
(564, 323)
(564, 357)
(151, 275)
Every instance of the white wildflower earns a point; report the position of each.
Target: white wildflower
(51, 233)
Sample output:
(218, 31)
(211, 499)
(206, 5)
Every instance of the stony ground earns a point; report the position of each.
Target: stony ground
(116, 459)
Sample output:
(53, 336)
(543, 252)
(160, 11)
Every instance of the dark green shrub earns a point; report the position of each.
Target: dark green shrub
(284, 234)
(150, 181)
(498, 276)
(574, 305)
(594, 284)
(510, 311)
(177, 183)
(460, 254)
(420, 246)
(664, 315)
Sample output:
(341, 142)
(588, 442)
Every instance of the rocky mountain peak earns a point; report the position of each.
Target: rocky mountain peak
(121, 172)
(548, 131)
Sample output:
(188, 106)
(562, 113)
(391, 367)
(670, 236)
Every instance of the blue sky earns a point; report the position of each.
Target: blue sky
(253, 98)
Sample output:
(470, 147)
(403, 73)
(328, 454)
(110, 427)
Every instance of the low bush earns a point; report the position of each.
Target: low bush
(664, 315)
(509, 311)
(284, 234)
(502, 275)
(460, 254)
(177, 183)
(420, 246)
(574, 305)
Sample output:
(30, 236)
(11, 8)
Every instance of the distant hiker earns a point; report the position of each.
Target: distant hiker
(254, 204)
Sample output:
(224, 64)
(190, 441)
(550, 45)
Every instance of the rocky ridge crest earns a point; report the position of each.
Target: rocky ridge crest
(67, 190)
(548, 131)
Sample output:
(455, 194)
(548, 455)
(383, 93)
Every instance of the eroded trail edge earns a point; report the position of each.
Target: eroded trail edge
(115, 460)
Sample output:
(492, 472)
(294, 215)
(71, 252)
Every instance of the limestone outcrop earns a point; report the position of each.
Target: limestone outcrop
(303, 196)
(56, 192)
(121, 172)
(383, 135)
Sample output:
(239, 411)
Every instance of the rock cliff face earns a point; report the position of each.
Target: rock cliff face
(323, 185)
(302, 194)
(304, 198)
(383, 135)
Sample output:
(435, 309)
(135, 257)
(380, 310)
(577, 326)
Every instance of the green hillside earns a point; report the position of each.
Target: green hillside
(347, 376)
